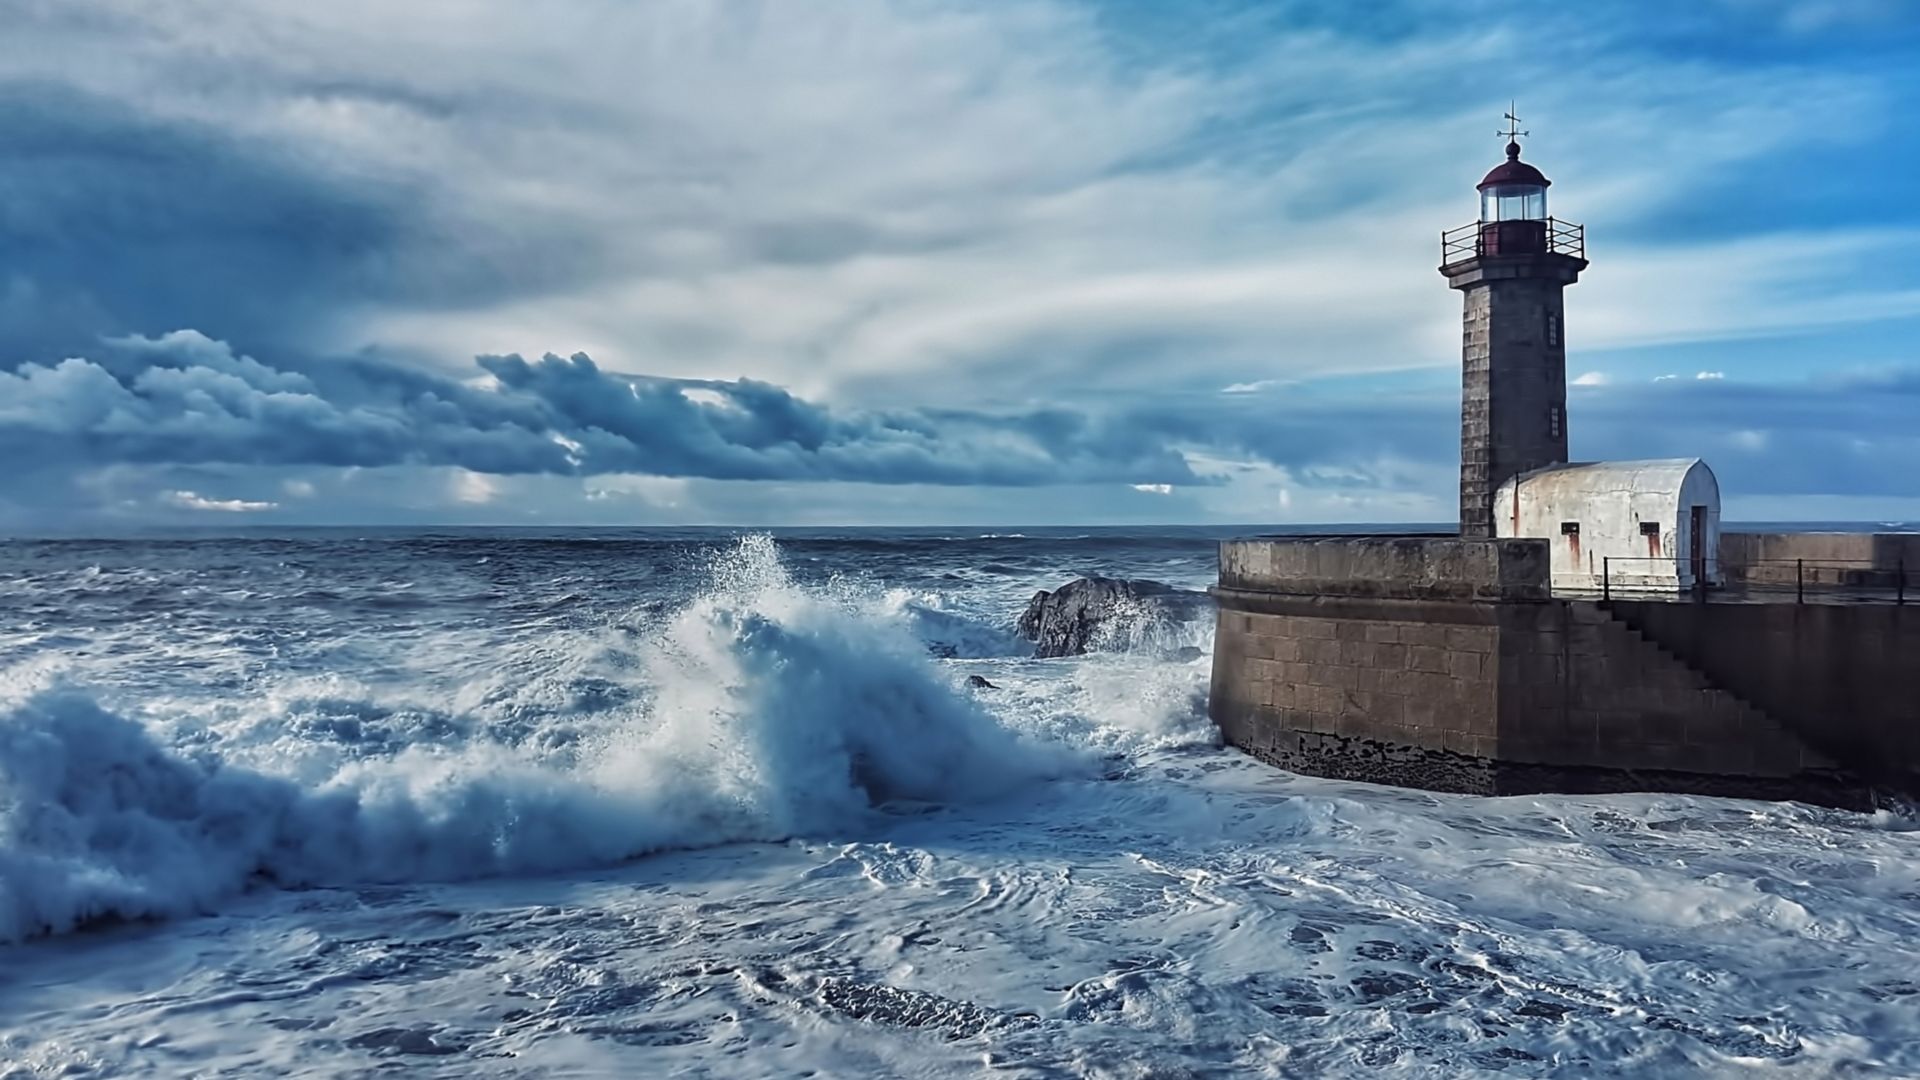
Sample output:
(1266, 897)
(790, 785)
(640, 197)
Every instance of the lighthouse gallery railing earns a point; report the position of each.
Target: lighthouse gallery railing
(1482, 238)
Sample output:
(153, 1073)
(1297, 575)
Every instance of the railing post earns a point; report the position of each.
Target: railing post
(1799, 581)
(1606, 579)
(1900, 580)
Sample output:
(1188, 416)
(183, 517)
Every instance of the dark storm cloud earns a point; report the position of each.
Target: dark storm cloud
(112, 221)
(115, 220)
(186, 399)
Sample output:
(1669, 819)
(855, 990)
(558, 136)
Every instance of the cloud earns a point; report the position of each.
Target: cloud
(1834, 435)
(187, 399)
(369, 439)
(188, 500)
(1591, 378)
(987, 202)
(474, 489)
(901, 245)
(115, 219)
(1810, 16)
(659, 491)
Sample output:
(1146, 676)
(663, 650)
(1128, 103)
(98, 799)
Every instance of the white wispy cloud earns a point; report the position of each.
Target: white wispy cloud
(188, 500)
(874, 197)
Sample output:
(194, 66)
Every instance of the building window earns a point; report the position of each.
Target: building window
(1569, 528)
(1553, 421)
(1649, 528)
(1553, 329)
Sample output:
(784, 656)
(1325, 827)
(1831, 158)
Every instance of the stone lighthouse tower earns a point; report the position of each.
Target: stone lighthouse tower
(1511, 267)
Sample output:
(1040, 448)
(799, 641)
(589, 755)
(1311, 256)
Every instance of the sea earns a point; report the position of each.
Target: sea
(723, 803)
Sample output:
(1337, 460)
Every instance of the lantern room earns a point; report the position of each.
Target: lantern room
(1513, 191)
(1513, 208)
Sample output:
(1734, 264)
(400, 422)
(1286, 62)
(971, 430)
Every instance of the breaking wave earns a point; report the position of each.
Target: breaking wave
(767, 710)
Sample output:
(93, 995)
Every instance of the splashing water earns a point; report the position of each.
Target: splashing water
(774, 710)
(454, 745)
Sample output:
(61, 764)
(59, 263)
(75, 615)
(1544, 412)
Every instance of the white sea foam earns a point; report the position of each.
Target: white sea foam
(772, 711)
(1183, 912)
(951, 634)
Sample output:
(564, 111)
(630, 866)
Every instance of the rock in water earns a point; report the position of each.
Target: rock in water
(979, 682)
(1069, 620)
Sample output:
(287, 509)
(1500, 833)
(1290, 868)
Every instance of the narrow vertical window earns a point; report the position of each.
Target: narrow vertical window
(1553, 329)
(1553, 421)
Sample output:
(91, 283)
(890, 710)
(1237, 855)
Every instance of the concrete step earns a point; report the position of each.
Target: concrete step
(1739, 707)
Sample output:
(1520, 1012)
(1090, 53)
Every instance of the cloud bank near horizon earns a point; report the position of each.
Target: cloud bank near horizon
(185, 426)
(189, 400)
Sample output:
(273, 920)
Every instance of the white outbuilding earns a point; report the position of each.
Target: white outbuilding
(1639, 526)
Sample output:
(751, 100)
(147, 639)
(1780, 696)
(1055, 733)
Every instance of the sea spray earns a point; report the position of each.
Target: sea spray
(773, 710)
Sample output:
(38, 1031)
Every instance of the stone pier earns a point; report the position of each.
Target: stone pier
(1446, 663)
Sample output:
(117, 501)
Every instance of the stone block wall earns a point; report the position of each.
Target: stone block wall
(1579, 687)
(1398, 685)
(1452, 676)
(1387, 567)
(1844, 677)
(1513, 395)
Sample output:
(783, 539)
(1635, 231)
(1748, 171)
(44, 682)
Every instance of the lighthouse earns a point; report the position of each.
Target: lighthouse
(1511, 267)
(1571, 637)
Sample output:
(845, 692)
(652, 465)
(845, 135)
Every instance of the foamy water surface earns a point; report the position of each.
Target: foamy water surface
(692, 804)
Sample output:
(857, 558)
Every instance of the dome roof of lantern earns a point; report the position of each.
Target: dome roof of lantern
(1514, 171)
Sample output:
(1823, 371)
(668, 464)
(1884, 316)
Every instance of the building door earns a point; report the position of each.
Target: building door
(1697, 547)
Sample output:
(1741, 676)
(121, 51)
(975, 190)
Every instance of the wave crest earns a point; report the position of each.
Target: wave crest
(771, 710)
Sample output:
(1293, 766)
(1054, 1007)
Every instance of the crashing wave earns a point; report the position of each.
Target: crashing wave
(773, 710)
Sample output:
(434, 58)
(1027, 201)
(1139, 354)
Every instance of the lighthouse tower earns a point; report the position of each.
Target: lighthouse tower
(1511, 267)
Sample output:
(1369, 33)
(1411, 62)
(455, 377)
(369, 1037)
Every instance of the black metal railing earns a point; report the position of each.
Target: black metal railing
(1551, 236)
(1799, 581)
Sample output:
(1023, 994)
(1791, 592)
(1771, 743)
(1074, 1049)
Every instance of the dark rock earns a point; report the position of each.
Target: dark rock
(979, 682)
(1070, 620)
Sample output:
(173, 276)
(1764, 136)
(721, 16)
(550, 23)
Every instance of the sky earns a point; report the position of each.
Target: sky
(270, 262)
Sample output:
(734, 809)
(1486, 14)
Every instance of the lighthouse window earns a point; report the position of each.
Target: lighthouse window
(1553, 421)
(1553, 329)
(1514, 202)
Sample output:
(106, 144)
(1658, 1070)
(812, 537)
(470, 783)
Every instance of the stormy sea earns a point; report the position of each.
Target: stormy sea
(708, 803)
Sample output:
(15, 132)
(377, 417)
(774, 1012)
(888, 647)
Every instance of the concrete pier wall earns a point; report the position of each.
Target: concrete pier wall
(1820, 559)
(1446, 664)
(1845, 678)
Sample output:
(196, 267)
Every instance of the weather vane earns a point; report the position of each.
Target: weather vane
(1513, 132)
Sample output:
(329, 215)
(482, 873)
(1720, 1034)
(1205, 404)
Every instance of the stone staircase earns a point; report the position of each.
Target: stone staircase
(1721, 708)
(1703, 677)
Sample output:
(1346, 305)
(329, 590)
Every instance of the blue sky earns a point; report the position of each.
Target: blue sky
(925, 262)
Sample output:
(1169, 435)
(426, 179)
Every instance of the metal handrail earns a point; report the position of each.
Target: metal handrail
(1469, 240)
(1871, 579)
